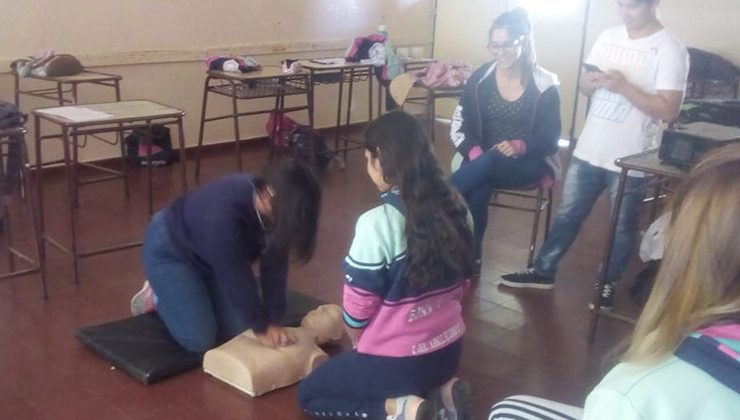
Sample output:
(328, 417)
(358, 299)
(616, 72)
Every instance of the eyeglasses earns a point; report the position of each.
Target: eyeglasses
(507, 47)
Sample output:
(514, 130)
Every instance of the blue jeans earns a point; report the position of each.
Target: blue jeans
(355, 385)
(476, 181)
(583, 185)
(194, 315)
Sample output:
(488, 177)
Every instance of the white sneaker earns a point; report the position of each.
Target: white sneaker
(143, 300)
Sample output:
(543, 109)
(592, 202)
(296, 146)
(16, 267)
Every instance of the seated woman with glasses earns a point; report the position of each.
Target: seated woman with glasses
(507, 124)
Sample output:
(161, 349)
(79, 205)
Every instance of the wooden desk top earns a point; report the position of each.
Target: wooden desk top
(83, 77)
(649, 163)
(267, 72)
(308, 64)
(118, 112)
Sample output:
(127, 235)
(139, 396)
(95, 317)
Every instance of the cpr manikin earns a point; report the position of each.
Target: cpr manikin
(246, 364)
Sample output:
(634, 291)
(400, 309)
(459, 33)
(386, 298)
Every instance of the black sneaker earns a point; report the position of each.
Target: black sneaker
(606, 303)
(453, 400)
(528, 279)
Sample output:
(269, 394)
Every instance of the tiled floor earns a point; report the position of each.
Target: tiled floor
(517, 341)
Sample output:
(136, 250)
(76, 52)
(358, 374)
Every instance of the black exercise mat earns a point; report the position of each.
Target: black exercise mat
(142, 347)
(297, 305)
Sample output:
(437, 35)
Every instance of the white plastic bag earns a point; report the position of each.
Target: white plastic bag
(653, 241)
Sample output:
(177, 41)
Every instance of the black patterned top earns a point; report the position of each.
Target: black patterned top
(502, 119)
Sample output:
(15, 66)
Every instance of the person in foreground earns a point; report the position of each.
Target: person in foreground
(683, 361)
(405, 272)
(198, 254)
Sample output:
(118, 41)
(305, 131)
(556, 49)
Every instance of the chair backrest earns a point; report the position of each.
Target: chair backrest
(711, 74)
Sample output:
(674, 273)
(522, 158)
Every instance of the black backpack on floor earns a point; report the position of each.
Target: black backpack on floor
(299, 142)
(162, 152)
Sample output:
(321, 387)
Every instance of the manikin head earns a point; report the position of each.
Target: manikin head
(325, 323)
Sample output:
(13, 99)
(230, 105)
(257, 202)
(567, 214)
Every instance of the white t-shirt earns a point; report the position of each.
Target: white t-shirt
(614, 127)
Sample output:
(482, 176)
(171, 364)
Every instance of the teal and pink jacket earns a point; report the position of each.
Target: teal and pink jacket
(395, 320)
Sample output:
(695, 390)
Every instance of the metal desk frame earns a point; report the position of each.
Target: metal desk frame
(58, 92)
(70, 131)
(346, 73)
(69, 84)
(8, 137)
(648, 163)
(269, 82)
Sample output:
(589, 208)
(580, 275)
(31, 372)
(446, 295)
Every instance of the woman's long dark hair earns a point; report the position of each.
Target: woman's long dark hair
(438, 237)
(296, 205)
(517, 24)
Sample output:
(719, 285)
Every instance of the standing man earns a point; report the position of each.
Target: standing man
(636, 80)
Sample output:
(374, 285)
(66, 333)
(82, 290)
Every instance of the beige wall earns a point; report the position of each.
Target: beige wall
(157, 46)
(462, 27)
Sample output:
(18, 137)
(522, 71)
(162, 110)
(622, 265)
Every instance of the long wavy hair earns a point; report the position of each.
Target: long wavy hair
(517, 24)
(699, 279)
(438, 236)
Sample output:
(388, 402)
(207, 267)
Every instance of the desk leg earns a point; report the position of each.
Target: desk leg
(201, 131)
(278, 110)
(34, 221)
(7, 228)
(349, 112)
(183, 156)
(150, 194)
(17, 89)
(370, 75)
(74, 93)
(60, 94)
(235, 114)
(339, 110)
(656, 197)
(121, 140)
(71, 184)
(613, 220)
(124, 163)
(75, 175)
(39, 189)
(380, 98)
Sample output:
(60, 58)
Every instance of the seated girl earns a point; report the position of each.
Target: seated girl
(405, 273)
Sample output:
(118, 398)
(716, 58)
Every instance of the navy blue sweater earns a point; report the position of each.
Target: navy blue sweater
(218, 232)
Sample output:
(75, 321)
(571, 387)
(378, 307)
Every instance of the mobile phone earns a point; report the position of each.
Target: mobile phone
(592, 68)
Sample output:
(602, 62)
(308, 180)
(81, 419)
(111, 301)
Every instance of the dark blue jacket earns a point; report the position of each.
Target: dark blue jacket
(543, 107)
(218, 232)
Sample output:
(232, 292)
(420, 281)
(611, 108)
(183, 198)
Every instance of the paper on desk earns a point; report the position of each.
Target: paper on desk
(330, 61)
(76, 113)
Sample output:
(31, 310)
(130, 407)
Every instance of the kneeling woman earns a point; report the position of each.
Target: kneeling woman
(198, 254)
(404, 281)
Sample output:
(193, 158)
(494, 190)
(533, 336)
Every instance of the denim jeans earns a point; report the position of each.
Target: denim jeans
(355, 385)
(194, 315)
(583, 185)
(476, 181)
